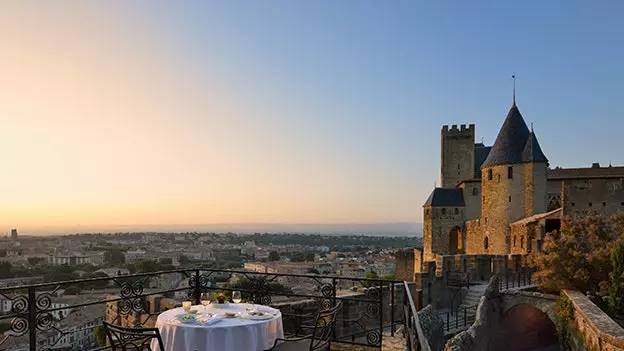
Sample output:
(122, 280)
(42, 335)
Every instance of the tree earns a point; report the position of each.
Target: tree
(578, 256)
(390, 276)
(313, 271)
(99, 284)
(100, 335)
(114, 257)
(33, 261)
(274, 256)
(309, 257)
(165, 261)
(616, 277)
(5, 270)
(298, 257)
(370, 275)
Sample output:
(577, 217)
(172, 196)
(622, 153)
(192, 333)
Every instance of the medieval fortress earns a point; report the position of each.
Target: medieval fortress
(501, 200)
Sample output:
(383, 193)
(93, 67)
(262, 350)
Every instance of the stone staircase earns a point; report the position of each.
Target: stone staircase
(454, 324)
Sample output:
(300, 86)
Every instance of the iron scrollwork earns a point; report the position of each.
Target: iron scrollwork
(260, 291)
(203, 281)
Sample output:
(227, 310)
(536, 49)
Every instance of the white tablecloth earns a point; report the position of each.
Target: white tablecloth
(229, 334)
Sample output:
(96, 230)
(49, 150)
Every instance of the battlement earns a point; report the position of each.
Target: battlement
(458, 130)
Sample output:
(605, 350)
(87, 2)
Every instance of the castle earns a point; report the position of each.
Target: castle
(503, 199)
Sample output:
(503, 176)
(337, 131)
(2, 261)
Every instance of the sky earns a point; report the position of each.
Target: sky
(168, 112)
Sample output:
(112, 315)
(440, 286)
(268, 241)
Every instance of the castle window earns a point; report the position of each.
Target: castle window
(443, 211)
(604, 204)
(457, 211)
(621, 203)
(510, 199)
(573, 204)
(489, 174)
(515, 241)
(590, 204)
(458, 166)
(510, 172)
(521, 242)
(486, 243)
(499, 178)
(475, 191)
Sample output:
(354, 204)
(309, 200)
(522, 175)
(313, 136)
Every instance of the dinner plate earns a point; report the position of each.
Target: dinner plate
(186, 318)
(258, 318)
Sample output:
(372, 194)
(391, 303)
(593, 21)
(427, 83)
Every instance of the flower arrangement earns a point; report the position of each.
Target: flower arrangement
(221, 298)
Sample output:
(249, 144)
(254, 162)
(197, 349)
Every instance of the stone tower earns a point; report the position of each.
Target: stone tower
(458, 154)
(443, 224)
(513, 182)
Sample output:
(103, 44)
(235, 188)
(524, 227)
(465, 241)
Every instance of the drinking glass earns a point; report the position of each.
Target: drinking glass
(186, 306)
(236, 297)
(205, 300)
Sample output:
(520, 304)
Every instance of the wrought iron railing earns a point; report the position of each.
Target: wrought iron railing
(514, 280)
(37, 321)
(415, 339)
(459, 319)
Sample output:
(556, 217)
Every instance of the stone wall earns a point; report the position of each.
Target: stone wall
(479, 336)
(535, 187)
(437, 227)
(597, 330)
(472, 199)
(598, 196)
(405, 264)
(457, 159)
(474, 237)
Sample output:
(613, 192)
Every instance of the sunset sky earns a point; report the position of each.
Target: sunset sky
(170, 112)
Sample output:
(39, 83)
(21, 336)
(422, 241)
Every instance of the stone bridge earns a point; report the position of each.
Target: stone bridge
(513, 298)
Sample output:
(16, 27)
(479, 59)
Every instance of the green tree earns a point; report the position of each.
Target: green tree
(100, 284)
(370, 275)
(274, 256)
(5, 270)
(100, 335)
(578, 256)
(309, 257)
(390, 276)
(184, 261)
(165, 261)
(298, 257)
(114, 257)
(616, 280)
(313, 271)
(33, 261)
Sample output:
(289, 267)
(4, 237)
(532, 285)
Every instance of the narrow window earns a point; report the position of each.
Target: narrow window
(573, 204)
(489, 174)
(521, 242)
(475, 191)
(443, 211)
(514, 241)
(486, 243)
(510, 199)
(457, 211)
(590, 204)
(510, 172)
(499, 178)
(458, 166)
(621, 203)
(604, 204)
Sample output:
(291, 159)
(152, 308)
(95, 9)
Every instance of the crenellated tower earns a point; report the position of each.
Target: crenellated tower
(458, 154)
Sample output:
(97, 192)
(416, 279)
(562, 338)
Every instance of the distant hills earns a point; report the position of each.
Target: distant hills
(375, 229)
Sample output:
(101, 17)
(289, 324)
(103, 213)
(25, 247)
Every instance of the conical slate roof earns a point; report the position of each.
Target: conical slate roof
(532, 151)
(511, 141)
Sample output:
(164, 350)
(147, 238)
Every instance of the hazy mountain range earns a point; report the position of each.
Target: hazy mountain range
(376, 229)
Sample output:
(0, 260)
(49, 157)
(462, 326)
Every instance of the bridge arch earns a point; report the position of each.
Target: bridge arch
(543, 302)
(524, 327)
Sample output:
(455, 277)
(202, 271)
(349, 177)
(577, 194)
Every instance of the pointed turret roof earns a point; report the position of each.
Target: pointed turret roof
(510, 142)
(445, 197)
(532, 151)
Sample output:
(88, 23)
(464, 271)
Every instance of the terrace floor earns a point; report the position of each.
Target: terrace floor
(389, 343)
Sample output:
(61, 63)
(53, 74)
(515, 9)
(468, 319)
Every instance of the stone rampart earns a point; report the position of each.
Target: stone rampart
(597, 330)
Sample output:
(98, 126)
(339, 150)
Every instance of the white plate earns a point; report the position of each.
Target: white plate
(257, 318)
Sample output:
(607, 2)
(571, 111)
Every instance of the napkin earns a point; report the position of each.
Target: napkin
(209, 321)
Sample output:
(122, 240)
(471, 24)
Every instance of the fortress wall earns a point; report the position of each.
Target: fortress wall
(593, 196)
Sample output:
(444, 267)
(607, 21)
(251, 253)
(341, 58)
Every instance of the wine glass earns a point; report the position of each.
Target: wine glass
(236, 297)
(205, 300)
(186, 306)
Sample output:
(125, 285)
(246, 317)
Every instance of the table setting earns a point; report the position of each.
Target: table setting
(220, 325)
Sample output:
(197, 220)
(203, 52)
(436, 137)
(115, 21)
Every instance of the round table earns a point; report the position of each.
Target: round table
(229, 334)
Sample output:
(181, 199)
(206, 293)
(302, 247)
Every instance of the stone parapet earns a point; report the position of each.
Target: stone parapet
(598, 330)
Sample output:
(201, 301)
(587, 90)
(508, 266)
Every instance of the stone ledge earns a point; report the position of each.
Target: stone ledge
(605, 327)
